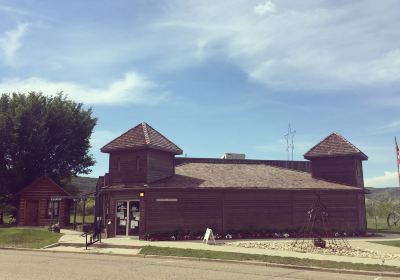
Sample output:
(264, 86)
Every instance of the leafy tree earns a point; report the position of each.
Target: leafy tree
(42, 135)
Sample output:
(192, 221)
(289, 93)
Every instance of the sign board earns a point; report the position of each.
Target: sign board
(208, 236)
(166, 199)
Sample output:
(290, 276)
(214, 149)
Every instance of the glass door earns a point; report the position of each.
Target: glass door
(134, 216)
(127, 218)
(122, 218)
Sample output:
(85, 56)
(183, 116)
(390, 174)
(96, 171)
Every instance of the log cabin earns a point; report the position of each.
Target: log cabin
(148, 189)
(42, 203)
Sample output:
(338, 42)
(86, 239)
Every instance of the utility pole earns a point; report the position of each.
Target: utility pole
(289, 136)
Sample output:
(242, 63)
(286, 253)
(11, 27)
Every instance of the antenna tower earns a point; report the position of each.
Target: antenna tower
(289, 142)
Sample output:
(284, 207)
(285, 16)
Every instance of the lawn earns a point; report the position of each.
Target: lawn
(381, 225)
(27, 237)
(395, 243)
(208, 254)
(88, 219)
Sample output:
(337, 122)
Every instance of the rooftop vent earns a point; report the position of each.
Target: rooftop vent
(233, 156)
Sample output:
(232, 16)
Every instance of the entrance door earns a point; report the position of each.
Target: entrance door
(31, 213)
(127, 218)
(134, 216)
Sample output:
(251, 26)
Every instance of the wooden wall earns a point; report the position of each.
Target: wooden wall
(160, 165)
(124, 168)
(153, 165)
(41, 191)
(168, 210)
(345, 170)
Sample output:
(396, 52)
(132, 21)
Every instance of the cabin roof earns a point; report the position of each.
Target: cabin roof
(332, 146)
(140, 137)
(44, 181)
(252, 176)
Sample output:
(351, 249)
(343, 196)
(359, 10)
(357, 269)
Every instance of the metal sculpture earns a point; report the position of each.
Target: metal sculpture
(314, 232)
(393, 219)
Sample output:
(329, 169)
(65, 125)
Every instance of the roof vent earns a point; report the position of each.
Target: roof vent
(233, 156)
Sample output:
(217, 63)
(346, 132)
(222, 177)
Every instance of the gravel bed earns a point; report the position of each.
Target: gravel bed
(308, 247)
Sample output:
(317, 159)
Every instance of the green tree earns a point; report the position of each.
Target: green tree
(42, 135)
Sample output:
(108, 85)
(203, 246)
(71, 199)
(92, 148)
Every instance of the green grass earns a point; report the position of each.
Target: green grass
(382, 225)
(27, 237)
(167, 251)
(395, 243)
(88, 219)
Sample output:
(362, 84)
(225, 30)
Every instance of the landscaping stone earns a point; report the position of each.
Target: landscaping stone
(308, 247)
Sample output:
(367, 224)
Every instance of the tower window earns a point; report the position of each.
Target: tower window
(138, 167)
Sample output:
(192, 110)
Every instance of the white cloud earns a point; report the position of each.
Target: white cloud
(14, 11)
(10, 42)
(132, 89)
(306, 44)
(393, 126)
(263, 8)
(388, 179)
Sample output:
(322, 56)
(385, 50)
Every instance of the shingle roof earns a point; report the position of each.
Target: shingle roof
(44, 181)
(334, 145)
(139, 137)
(212, 175)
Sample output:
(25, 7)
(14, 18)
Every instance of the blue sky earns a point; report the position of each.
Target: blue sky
(217, 76)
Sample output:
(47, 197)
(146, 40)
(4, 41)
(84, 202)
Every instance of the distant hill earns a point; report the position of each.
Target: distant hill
(84, 184)
(384, 194)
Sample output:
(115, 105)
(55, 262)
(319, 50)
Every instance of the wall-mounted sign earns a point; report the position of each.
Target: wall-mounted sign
(166, 199)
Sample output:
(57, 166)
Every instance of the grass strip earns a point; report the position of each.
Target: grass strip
(27, 237)
(208, 254)
(395, 243)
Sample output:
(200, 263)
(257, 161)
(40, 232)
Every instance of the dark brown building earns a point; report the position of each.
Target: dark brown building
(148, 190)
(43, 202)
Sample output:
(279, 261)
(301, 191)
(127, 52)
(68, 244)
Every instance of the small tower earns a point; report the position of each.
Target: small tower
(336, 159)
(140, 155)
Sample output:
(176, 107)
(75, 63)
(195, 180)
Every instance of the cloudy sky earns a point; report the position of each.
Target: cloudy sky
(217, 76)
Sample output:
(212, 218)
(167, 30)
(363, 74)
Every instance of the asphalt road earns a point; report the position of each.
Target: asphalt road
(24, 265)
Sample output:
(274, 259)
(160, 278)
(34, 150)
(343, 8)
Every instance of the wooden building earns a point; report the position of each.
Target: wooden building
(43, 202)
(148, 190)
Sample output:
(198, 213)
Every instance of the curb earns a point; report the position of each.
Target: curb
(97, 245)
(266, 264)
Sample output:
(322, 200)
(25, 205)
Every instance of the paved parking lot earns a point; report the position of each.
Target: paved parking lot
(24, 265)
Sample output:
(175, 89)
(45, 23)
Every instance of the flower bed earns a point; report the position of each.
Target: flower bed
(180, 235)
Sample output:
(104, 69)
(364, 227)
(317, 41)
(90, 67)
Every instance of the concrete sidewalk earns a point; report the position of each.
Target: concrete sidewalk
(73, 241)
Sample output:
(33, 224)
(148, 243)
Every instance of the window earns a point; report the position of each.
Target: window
(53, 207)
(138, 167)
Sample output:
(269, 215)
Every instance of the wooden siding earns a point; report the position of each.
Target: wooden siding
(230, 210)
(345, 170)
(124, 168)
(41, 191)
(160, 165)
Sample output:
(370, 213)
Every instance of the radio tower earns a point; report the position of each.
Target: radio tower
(289, 141)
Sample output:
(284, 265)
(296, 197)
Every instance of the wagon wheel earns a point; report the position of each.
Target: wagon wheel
(393, 219)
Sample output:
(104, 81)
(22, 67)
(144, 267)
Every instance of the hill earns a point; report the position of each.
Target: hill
(384, 194)
(84, 184)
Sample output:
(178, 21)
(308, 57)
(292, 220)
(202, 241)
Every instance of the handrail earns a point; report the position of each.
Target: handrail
(95, 236)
